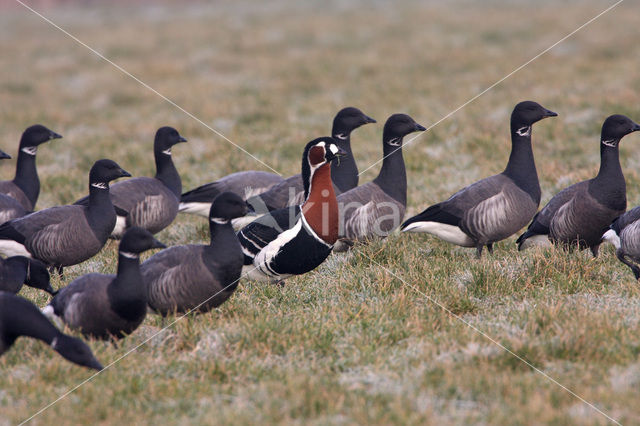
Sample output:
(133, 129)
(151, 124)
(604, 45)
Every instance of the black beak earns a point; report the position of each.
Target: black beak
(368, 119)
(4, 155)
(420, 128)
(249, 208)
(54, 135)
(124, 173)
(635, 127)
(341, 152)
(157, 244)
(51, 291)
(95, 365)
(549, 113)
(181, 139)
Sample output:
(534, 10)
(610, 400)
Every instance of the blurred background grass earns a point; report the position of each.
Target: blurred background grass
(348, 343)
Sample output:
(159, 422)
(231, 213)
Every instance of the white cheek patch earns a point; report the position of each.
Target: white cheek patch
(333, 149)
(99, 185)
(524, 131)
(129, 255)
(31, 150)
(167, 151)
(219, 221)
(610, 142)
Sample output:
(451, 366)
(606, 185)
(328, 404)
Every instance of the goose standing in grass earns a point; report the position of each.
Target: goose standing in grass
(580, 214)
(150, 203)
(496, 207)
(200, 277)
(343, 173)
(66, 235)
(19, 317)
(107, 306)
(624, 234)
(18, 270)
(295, 240)
(376, 208)
(10, 208)
(25, 186)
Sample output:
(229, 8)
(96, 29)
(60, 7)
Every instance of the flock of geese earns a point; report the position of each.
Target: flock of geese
(283, 227)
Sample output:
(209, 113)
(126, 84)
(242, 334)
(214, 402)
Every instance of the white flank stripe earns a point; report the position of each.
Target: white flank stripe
(449, 233)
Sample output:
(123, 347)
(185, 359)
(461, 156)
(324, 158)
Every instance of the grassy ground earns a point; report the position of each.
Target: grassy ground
(362, 339)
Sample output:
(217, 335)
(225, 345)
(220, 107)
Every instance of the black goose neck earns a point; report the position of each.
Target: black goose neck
(101, 213)
(127, 292)
(521, 167)
(609, 186)
(393, 175)
(166, 171)
(220, 230)
(26, 177)
(344, 171)
(33, 324)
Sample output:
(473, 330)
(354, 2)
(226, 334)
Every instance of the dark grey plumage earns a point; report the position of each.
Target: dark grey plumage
(580, 214)
(151, 203)
(66, 235)
(624, 234)
(344, 173)
(201, 277)
(25, 186)
(10, 208)
(108, 306)
(496, 207)
(19, 317)
(18, 270)
(376, 208)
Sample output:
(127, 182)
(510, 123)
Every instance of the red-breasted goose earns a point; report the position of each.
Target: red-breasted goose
(66, 235)
(580, 214)
(295, 240)
(344, 173)
(151, 203)
(18, 270)
(19, 317)
(376, 208)
(194, 276)
(107, 306)
(25, 186)
(496, 207)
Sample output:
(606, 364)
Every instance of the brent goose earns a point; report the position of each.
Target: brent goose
(66, 235)
(10, 208)
(201, 277)
(25, 186)
(624, 234)
(295, 240)
(151, 203)
(496, 207)
(344, 173)
(19, 317)
(580, 214)
(377, 208)
(18, 270)
(106, 306)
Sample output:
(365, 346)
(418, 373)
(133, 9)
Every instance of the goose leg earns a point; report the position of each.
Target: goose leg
(634, 268)
(479, 248)
(594, 250)
(490, 248)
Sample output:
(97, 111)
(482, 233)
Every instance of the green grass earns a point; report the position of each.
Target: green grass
(351, 342)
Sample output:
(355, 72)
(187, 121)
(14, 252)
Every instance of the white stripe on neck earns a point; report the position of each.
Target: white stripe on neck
(167, 151)
(54, 343)
(31, 150)
(340, 136)
(219, 221)
(99, 185)
(524, 131)
(610, 142)
(129, 255)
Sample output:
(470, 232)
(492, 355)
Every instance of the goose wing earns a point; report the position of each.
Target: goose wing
(287, 193)
(259, 233)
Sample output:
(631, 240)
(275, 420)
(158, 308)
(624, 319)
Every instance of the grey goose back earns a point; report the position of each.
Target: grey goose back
(580, 214)
(624, 234)
(150, 203)
(344, 173)
(18, 270)
(105, 306)
(376, 208)
(66, 235)
(10, 208)
(25, 186)
(19, 317)
(196, 276)
(496, 207)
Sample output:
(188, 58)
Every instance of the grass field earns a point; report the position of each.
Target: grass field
(381, 335)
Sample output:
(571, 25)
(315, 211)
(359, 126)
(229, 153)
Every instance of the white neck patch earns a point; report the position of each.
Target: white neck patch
(54, 343)
(524, 131)
(129, 255)
(31, 150)
(340, 136)
(99, 185)
(395, 141)
(219, 221)
(167, 151)
(610, 142)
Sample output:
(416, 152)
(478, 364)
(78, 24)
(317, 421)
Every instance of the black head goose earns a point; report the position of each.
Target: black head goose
(150, 203)
(344, 173)
(18, 270)
(624, 234)
(19, 317)
(201, 277)
(66, 235)
(580, 214)
(496, 207)
(377, 208)
(107, 306)
(295, 240)
(25, 186)
(10, 208)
